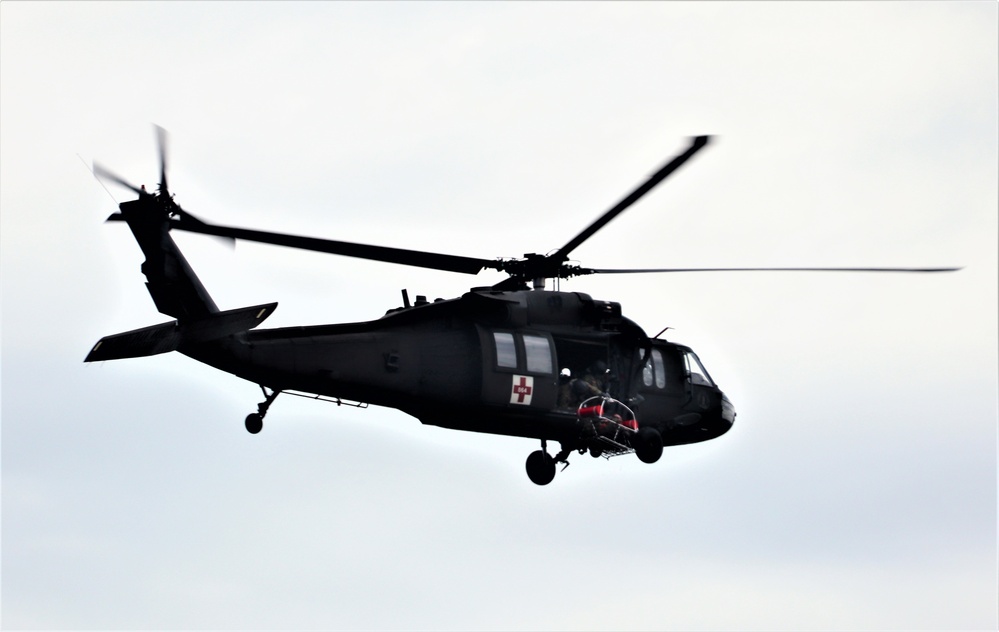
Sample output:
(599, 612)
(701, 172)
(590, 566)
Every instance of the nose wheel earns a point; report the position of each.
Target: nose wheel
(255, 421)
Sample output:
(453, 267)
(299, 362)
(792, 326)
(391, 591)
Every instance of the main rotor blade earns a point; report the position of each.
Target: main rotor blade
(584, 271)
(420, 259)
(696, 145)
(104, 174)
(161, 143)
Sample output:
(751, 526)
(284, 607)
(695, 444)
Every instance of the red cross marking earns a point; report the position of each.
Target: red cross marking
(522, 390)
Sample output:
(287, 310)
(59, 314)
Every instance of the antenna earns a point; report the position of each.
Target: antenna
(91, 171)
(661, 332)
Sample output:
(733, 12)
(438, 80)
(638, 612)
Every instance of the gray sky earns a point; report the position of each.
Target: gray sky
(858, 488)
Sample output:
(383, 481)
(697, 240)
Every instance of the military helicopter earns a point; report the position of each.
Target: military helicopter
(506, 359)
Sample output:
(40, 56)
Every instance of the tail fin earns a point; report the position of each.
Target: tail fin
(171, 282)
(170, 336)
(173, 285)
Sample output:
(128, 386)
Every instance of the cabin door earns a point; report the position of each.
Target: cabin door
(664, 383)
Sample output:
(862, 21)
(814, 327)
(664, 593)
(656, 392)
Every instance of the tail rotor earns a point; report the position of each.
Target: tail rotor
(161, 199)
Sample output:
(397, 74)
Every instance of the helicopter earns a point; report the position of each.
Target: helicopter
(513, 358)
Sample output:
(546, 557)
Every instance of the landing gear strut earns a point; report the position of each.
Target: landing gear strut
(255, 421)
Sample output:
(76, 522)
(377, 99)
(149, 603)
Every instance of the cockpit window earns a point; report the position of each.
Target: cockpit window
(696, 370)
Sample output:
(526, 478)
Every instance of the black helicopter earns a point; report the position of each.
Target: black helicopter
(505, 359)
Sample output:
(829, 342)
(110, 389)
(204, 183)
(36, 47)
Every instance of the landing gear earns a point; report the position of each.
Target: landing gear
(648, 444)
(255, 421)
(540, 467)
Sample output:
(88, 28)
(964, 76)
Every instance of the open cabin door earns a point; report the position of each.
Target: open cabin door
(518, 369)
(598, 361)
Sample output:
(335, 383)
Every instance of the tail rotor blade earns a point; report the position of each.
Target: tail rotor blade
(161, 144)
(104, 174)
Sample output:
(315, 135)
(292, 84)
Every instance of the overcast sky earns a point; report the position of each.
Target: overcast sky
(858, 487)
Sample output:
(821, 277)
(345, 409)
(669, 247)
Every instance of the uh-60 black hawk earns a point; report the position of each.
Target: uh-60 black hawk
(507, 359)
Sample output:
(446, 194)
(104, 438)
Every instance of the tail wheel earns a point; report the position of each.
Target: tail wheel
(540, 467)
(648, 445)
(254, 423)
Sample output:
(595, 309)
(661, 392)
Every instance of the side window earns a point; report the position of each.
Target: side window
(539, 354)
(524, 352)
(506, 350)
(646, 371)
(657, 361)
(654, 370)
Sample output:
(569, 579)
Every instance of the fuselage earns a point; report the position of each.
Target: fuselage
(489, 361)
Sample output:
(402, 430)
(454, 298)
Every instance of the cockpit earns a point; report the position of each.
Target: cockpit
(670, 365)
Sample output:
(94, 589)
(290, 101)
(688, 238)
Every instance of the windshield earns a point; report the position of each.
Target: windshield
(696, 371)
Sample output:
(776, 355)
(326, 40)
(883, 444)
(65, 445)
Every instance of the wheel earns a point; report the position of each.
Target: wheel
(648, 444)
(540, 467)
(254, 423)
(596, 450)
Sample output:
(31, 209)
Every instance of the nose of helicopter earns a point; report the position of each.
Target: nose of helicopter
(727, 410)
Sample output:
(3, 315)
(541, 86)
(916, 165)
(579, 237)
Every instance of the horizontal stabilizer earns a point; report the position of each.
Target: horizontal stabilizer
(170, 336)
(226, 323)
(135, 344)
